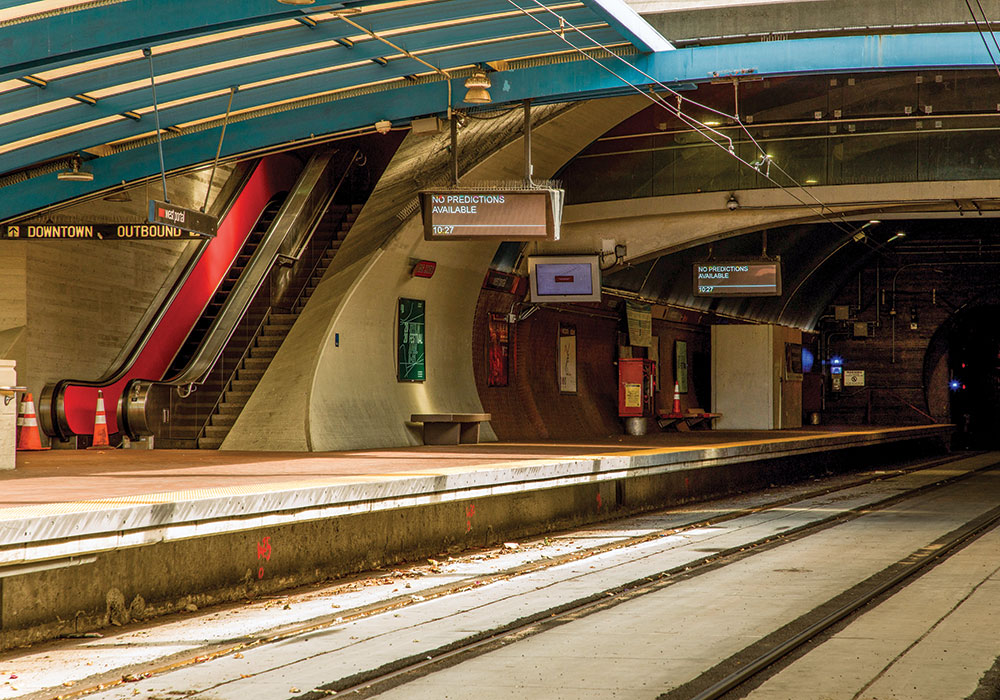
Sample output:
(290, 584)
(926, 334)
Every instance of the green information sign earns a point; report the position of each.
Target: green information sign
(411, 363)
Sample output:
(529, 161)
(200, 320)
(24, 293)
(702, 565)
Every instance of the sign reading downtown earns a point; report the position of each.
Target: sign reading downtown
(510, 215)
(95, 232)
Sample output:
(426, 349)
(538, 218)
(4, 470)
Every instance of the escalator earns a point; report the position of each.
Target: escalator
(217, 368)
(67, 408)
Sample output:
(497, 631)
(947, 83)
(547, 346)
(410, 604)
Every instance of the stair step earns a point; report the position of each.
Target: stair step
(226, 419)
(240, 394)
(231, 406)
(240, 386)
(270, 340)
(261, 363)
(250, 374)
(276, 329)
(278, 319)
(207, 443)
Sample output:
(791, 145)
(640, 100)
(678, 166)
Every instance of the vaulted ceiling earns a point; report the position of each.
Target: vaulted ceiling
(75, 75)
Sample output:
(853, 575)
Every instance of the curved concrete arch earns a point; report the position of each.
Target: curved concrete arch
(653, 226)
(332, 385)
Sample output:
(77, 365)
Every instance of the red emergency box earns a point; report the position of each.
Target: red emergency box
(636, 384)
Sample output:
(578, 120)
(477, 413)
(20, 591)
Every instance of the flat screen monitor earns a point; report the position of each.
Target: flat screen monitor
(558, 278)
(737, 279)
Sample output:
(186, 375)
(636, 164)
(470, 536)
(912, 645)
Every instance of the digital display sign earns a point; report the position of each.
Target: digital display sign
(510, 215)
(564, 278)
(737, 279)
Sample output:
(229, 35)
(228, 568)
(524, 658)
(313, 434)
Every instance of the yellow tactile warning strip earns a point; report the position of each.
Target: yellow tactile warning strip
(396, 465)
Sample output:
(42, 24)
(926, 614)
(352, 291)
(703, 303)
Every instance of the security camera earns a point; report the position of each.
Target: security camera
(383, 126)
(733, 204)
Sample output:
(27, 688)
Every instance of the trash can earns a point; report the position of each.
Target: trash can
(635, 425)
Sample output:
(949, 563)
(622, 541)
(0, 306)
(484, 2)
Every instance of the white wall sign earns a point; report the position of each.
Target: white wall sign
(854, 377)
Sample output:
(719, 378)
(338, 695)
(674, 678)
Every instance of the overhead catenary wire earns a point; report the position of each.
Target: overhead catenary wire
(982, 36)
(696, 125)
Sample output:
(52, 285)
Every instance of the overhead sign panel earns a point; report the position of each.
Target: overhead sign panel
(196, 222)
(95, 232)
(509, 215)
(737, 279)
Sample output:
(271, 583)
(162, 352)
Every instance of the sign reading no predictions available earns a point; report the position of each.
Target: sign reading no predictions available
(95, 232)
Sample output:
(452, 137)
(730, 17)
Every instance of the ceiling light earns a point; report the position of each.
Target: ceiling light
(297, 2)
(478, 85)
(76, 175)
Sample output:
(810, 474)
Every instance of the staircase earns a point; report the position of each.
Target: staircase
(272, 333)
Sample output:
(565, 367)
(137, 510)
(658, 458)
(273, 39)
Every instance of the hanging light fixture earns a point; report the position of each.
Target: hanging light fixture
(478, 85)
(297, 2)
(76, 174)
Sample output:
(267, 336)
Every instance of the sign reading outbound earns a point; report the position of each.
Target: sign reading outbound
(510, 215)
(737, 279)
(411, 364)
(185, 219)
(95, 232)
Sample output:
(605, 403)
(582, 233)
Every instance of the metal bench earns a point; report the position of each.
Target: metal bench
(695, 418)
(450, 428)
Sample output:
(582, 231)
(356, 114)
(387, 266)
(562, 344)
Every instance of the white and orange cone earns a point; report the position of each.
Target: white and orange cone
(100, 424)
(677, 397)
(30, 438)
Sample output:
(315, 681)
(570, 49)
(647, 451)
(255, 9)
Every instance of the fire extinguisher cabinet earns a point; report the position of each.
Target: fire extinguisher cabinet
(636, 386)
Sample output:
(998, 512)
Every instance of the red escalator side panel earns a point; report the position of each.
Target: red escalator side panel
(273, 174)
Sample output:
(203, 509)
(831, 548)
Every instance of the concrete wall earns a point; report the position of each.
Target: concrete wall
(67, 307)
(750, 387)
(318, 395)
(8, 414)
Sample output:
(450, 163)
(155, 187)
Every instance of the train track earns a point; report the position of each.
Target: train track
(374, 681)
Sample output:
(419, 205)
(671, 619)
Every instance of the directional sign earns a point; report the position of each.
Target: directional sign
(187, 219)
(94, 232)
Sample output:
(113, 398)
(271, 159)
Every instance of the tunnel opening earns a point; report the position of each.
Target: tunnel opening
(974, 377)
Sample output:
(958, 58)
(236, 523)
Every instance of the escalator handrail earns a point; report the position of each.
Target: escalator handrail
(304, 200)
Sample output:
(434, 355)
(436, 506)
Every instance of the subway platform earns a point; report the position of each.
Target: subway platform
(94, 538)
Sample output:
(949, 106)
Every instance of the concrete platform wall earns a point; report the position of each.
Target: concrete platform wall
(134, 583)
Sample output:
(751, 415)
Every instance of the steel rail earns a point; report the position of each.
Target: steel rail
(912, 565)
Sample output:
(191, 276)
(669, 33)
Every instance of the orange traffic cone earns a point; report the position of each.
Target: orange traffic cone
(29, 439)
(100, 425)
(677, 397)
